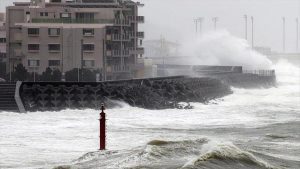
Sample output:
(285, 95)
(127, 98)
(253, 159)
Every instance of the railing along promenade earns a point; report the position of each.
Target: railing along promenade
(260, 72)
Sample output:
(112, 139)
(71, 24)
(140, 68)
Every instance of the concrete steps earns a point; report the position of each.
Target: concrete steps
(7, 97)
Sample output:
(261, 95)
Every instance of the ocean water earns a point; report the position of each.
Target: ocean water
(250, 129)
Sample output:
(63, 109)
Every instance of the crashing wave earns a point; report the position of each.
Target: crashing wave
(187, 154)
(227, 156)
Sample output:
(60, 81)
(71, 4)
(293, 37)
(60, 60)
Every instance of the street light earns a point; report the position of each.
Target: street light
(297, 34)
(246, 26)
(198, 20)
(252, 25)
(215, 20)
(283, 34)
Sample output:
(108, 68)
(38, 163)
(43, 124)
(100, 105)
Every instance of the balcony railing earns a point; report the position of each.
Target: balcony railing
(119, 37)
(119, 22)
(116, 22)
(120, 69)
(74, 21)
(138, 51)
(119, 53)
(138, 19)
(140, 35)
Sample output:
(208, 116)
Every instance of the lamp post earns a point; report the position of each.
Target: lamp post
(81, 61)
(199, 20)
(215, 20)
(297, 34)
(283, 34)
(196, 24)
(246, 26)
(252, 25)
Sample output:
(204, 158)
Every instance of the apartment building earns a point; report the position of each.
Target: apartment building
(68, 34)
(2, 46)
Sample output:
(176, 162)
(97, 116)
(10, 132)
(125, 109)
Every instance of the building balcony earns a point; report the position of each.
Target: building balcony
(119, 37)
(138, 51)
(119, 53)
(119, 22)
(136, 19)
(120, 69)
(74, 21)
(140, 35)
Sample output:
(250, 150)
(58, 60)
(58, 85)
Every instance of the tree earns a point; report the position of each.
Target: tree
(56, 75)
(72, 75)
(20, 73)
(85, 75)
(88, 76)
(47, 75)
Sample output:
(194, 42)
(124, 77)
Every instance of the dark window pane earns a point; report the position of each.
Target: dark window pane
(33, 47)
(88, 47)
(88, 32)
(53, 31)
(33, 31)
(54, 62)
(54, 47)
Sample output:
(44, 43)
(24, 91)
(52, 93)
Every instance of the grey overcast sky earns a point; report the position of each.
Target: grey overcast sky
(173, 19)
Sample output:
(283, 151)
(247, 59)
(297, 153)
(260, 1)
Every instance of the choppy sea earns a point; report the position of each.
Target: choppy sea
(250, 129)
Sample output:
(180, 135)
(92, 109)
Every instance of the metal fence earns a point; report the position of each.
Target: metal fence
(260, 72)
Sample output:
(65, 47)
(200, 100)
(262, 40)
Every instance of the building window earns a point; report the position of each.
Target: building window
(53, 31)
(33, 31)
(33, 63)
(56, 1)
(54, 63)
(89, 63)
(2, 40)
(33, 47)
(46, 13)
(88, 32)
(65, 15)
(54, 47)
(41, 13)
(88, 47)
(85, 17)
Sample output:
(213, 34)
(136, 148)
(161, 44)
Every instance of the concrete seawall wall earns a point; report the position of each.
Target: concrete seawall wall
(155, 93)
(151, 93)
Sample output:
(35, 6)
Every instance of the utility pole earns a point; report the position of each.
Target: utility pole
(283, 34)
(201, 19)
(215, 20)
(62, 49)
(81, 61)
(196, 23)
(252, 25)
(198, 20)
(297, 34)
(246, 27)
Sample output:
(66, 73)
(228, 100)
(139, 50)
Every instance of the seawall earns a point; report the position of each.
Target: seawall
(150, 93)
(154, 93)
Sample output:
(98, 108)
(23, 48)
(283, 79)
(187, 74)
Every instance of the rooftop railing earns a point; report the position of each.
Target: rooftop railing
(260, 72)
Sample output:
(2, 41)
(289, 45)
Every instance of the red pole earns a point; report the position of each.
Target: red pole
(102, 129)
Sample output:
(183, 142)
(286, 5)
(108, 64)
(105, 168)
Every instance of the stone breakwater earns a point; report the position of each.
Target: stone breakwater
(155, 93)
